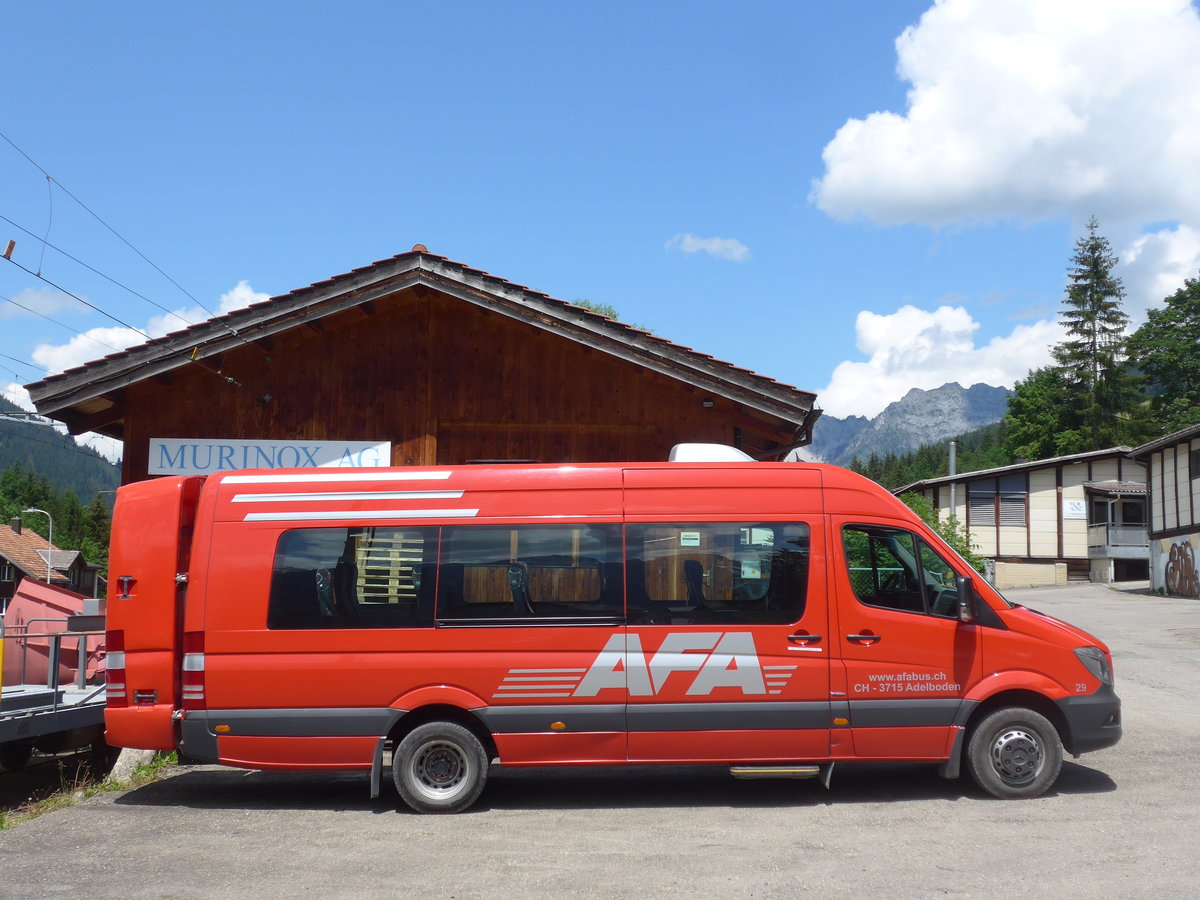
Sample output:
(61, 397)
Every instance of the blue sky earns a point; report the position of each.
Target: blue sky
(856, 199)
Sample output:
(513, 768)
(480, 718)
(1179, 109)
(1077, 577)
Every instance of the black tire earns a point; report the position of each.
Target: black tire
(439, 767)
(102, 757)
(1014, 754)
(14, 755)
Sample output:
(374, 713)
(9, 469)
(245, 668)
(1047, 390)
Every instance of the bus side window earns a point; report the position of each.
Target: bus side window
(726, 573)
(536, 571)
(894, 569)
(367, 577)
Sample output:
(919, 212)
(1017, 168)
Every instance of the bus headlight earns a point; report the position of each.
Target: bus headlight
(1096, 662)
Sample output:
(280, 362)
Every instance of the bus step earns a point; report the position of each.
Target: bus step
(824, 772)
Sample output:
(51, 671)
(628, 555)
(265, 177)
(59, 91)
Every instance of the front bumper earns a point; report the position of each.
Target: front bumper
(1093, 722)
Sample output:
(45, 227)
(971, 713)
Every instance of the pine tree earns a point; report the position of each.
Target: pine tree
(1091, 359)
(1090, 399)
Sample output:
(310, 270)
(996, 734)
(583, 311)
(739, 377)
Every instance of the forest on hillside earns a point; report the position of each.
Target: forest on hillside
(50, 453)
(76, 526)
(41, 468)
(983, 448)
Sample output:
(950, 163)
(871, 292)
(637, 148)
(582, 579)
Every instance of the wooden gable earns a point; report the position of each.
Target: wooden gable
(449, 366)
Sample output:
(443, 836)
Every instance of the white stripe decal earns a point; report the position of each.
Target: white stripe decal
(508, 689)
(335, 476)
(328, 515)
(348, 496)
(564, 694)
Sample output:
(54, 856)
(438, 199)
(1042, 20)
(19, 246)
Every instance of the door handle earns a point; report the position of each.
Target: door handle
(867, 638)
(804, 638)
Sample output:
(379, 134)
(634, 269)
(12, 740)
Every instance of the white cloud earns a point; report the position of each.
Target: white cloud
(38, 301)
(16, 393)
(110, 448)
(1029, 109)
(97, 342)
(1155, 265)
(917, 348)
(721, 248)
(240, 297)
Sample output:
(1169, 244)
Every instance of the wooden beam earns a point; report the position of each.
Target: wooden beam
(96, 421)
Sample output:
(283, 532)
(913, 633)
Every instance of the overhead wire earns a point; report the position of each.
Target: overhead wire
(117, 234)
(58, 323)
(50, 179)
(22, 361)
(96, 271)
(121, 322)
(49, 222)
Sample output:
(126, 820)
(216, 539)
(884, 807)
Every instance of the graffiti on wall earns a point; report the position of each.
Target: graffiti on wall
(1174, 565)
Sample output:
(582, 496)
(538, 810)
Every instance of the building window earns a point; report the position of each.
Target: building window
(1004, 498)
(983, 507)
(6, 573)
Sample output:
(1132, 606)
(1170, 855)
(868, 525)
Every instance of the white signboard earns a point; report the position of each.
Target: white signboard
(203, 456)
(1074, 509)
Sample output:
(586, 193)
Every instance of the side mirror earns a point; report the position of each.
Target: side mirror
(968, 600)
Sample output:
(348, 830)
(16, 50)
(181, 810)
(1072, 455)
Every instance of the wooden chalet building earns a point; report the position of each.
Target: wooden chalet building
(1048, 521)
(1173, 469)
(428, 361)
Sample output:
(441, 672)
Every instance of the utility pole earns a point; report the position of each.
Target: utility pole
(49, 538)
(953, 485)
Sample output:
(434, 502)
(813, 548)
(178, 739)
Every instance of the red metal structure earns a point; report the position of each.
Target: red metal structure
(52, 692)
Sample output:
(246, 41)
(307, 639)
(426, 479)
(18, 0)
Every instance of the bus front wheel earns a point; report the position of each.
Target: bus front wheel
(1015, 753)
(439, 767)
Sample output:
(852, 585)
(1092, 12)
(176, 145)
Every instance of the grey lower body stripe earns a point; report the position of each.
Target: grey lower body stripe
(533, 719)
(199, 739)
(350, 722)
(909, 713)
(641, 717)
(727, 716)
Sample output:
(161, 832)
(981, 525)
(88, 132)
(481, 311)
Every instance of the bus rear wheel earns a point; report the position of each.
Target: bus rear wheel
(439, 767)
(1014, 754)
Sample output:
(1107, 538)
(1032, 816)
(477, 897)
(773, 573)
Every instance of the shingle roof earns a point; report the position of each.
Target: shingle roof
(1116, 487)
(67, 395)
(1174, 437)
(1016, 467)
(26, 551)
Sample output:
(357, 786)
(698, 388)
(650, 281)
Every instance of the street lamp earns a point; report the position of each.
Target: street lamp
(49, 537)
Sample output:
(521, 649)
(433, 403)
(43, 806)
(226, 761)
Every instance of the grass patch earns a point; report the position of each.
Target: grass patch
(82, 784)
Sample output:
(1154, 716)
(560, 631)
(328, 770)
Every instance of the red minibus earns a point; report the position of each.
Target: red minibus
(777, 618)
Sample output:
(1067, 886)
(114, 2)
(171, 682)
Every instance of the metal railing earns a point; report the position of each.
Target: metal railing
(19, 642)
(1118, 536)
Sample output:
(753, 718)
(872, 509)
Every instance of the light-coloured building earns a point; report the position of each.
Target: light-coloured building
(1076, 517)
(1173, 482)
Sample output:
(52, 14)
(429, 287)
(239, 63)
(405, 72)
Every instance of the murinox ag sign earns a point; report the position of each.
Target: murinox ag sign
(196, 456)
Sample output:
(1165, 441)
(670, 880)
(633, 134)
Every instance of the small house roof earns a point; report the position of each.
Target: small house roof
(27, 552)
